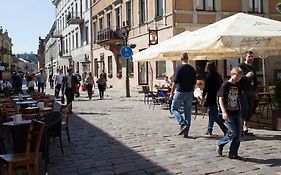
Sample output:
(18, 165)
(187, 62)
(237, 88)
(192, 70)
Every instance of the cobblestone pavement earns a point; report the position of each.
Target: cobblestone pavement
(121, 135)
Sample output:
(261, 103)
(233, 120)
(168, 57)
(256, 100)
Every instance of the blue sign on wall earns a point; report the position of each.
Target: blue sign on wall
(126, 52)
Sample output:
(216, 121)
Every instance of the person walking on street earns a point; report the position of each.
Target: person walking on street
(248, 85)
(90, 83)
(101, 85)
(41, 80)
(213, 82)
(58, 77)
(183, 84)
(51, 81)
(69, 84)
(231, 113)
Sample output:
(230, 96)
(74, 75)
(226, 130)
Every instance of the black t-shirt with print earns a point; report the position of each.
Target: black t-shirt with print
(230, 93)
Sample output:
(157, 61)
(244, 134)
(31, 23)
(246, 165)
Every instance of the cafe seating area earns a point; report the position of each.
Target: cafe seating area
(30, 120)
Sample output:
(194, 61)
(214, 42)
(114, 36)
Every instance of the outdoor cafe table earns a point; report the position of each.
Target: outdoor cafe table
(269, 104)
(23, 96)
(24, 104)
(25, 99)
(19, 134)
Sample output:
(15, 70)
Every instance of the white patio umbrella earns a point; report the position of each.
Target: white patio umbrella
(229, 37)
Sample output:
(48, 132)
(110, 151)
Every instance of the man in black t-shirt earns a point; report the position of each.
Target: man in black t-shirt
(184, 82)
(248, 85)
(230, 106)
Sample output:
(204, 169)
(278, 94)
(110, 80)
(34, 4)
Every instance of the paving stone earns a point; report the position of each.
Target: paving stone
(123, 136)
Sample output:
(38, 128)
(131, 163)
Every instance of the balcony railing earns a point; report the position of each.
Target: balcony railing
(57, 34)
(109, 34)
(74, 19)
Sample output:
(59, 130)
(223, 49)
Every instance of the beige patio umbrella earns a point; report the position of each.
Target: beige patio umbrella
(229, 37)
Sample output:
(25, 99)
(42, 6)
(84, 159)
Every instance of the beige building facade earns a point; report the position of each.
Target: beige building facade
(150, 21)
(5, 50)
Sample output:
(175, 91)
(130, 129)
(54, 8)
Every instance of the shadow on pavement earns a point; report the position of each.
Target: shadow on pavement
(263, 137)
(93, 151)
(270, 162)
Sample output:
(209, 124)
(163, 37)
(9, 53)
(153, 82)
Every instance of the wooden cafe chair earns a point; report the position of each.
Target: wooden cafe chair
(30, 113)
(65, 111)
(31, 156)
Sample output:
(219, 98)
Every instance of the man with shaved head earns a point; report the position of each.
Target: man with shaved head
(184, 81)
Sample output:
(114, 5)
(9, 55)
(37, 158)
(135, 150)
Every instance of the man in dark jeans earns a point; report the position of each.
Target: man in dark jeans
(248, 85)
(69, 84)
(41, 81)
(184, 81)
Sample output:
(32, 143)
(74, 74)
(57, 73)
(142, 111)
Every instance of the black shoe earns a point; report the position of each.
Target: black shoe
(182, 129)
(247, 133)
(235, 157)
(209, 133)
(219, 151)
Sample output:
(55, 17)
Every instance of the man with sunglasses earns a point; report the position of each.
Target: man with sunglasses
(248, 85)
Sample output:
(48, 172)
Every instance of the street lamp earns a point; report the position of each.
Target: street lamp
(125, 31)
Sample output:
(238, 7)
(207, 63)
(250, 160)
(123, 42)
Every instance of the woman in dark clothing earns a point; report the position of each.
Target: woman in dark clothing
(101, 85)
(213, 82)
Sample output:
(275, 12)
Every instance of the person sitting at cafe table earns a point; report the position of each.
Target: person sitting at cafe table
(166, 84)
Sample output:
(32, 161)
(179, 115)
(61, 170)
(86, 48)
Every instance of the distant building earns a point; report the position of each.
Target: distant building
(41, 53)
(51, 52)
(73, 34)
(27, 62)
(5, 50)
(98, 38)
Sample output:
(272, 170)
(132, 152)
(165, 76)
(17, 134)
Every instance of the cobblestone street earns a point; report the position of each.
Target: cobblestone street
(121, 135)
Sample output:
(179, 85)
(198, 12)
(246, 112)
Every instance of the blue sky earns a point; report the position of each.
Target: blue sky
(25, 21)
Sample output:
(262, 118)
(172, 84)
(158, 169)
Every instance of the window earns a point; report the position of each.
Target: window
(119, 66)
(87, 35)
(128, 12)
(76, 40)
(86, 4)
(118, 19)
(73, 40)
(206, 5)
(108, 20)
(66, 46)
(159, 8)
(131, 67)
(76, 10)
(141, 11)
(109, 62)
(100, 24)
(94, 31)
(255, 6)
(160, 69)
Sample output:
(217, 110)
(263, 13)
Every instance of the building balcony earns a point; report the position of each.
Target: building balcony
(110, 36)
(57, 34)
(74, 19)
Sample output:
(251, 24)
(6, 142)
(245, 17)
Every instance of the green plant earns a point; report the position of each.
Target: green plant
(278, 94)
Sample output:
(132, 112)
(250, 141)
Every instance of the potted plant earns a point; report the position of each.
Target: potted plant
(276, 113)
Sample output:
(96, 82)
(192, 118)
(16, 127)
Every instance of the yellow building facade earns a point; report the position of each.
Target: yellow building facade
(150, 21)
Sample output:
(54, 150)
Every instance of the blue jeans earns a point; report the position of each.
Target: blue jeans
(186, 99)
(214, 117)
(233, 123)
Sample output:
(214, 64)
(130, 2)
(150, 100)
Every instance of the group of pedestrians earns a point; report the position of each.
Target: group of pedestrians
(234, 99)
(64, 83)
